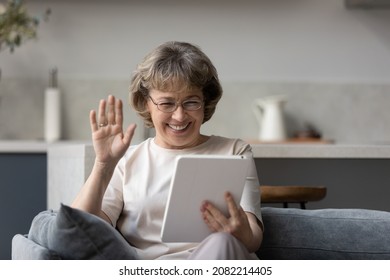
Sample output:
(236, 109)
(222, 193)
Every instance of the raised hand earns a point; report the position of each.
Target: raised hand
(109, 140)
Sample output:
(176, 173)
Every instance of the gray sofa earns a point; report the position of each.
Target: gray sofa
(289, 234)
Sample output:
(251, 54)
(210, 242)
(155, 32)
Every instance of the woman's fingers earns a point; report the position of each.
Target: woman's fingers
(236, 223)
(118, 117)
(102, 113)
(111, 110)
(92, 121)
(128, 135)
(214, 217)
(217, 221)
(232, 206)
(209, 219)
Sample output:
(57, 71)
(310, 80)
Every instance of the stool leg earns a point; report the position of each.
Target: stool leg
(285, 205)
(303, 205)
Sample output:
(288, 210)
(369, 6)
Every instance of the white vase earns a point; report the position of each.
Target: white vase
(52, 114)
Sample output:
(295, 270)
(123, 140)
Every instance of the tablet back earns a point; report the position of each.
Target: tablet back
(198, 178)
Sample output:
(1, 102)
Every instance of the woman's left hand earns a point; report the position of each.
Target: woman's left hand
(236, 224)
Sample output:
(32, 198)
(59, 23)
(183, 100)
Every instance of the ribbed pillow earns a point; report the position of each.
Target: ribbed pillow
(78, 235)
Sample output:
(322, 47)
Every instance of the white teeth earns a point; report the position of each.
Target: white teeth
(178, 127)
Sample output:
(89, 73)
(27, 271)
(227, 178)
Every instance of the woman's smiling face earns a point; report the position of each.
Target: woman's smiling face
(179, 129)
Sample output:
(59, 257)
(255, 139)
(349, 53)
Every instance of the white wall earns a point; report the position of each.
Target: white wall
(332, 63)
(249, 40)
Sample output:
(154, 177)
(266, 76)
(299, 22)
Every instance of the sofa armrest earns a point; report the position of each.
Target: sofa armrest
(26, 249)
(329, 234)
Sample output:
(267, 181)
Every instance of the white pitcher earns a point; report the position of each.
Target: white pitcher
(269, 113)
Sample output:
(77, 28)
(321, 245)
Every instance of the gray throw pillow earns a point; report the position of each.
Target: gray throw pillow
(78, 235)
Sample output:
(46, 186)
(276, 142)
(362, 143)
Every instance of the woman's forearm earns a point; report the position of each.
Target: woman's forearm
(257, 232)
(90, 197)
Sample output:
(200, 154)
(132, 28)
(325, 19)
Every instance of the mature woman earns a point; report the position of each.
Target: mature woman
(175, 90)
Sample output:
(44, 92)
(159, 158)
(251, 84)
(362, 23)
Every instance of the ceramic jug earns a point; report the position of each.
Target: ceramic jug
(269, 114)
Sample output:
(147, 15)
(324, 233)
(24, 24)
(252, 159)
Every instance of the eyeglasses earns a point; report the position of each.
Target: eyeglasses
(171, 106)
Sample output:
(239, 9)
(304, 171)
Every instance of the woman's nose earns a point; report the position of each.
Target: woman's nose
(179, 113)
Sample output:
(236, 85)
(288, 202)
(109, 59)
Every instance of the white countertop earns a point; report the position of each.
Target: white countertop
(31, 146)
(346, 151)
(351, 151)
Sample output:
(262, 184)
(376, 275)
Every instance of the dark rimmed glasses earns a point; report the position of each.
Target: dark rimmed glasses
(171, 106)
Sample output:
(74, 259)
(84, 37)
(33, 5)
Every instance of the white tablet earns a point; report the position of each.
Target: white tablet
(198, 178)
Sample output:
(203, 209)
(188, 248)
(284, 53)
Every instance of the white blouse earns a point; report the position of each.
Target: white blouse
(136, 197)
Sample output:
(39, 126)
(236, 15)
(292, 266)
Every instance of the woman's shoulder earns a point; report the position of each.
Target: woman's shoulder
(236, 146)
(228, 140)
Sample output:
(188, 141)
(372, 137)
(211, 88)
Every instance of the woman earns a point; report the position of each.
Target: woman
(175, 90)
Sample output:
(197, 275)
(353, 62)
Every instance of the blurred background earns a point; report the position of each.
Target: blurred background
(330, 60)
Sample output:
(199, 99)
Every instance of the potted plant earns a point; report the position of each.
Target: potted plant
(17, 25)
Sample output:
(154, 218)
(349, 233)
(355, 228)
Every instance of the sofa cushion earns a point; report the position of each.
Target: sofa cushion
(25, 249)
(75, 234)
(325, 234)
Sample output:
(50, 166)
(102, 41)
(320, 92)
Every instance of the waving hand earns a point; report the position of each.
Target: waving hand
(109, 140)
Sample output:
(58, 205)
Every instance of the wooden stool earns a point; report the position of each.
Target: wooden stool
(292, 194)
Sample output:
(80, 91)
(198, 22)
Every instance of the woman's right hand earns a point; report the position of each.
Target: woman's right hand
(109, 140)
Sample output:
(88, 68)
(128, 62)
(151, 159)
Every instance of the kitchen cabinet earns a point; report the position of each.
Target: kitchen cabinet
(24, 170)
(22, 194)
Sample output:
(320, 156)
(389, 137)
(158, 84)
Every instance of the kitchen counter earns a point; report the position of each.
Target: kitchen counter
(336, 151)
(19, 146)
(305, 150)
(30, 146)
